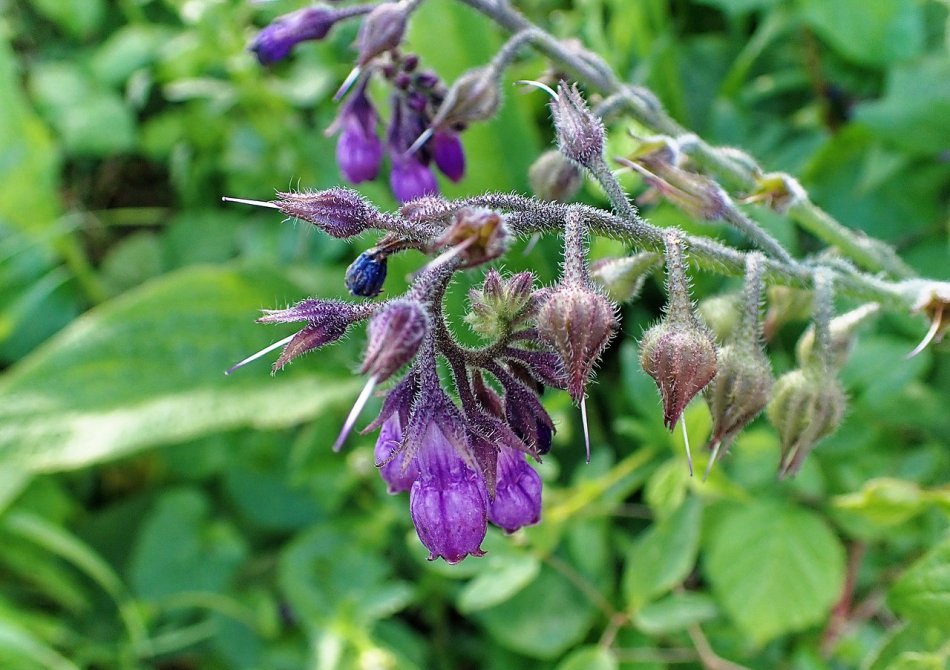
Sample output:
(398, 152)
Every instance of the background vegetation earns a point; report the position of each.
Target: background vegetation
(156, 514)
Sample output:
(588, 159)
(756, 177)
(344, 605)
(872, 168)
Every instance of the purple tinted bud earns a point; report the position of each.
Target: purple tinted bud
(580, 134)
(397, 475)
(382, 30)
(411, 179)
(359, 151)
(394, 336)
(328, 322)
(365, 275)
(448, 155)
(339, 212)
(517, 501)
(276, 41)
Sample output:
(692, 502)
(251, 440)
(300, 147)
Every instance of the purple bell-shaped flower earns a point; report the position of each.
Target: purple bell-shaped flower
(359, 151)
(517, 501)
(398, 475)
(448, 154)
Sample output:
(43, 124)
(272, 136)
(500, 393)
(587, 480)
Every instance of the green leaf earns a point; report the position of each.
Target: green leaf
(884, 503)
(869, 32)
(78, 18)
(325, 573)
(181, 548)
(663, 556)
(20, 643)
(913, 112)
(676, 612)
(774, 568)
(589, 658)
(147, 369)
(922, 594)
(542, 620)
(503, 576)
(909, 645)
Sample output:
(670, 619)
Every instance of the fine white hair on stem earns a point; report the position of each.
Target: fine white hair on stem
(586, 429)
(537, 84)
(689, 456)
(712, 458)
(255, 203)
(263, 352)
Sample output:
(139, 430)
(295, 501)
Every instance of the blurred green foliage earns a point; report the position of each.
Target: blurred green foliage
(244, 544)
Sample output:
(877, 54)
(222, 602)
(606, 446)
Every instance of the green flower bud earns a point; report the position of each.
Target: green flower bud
(721, 314)
(553, 177)
(622, 278)
(738, 392)
(843, 331)
(806, 407)
(501, 305)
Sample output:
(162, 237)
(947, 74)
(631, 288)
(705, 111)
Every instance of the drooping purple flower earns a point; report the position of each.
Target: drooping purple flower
(398, 475)
(448, 155)
(359, 151)
(277, 40)
(517, 501)
(448, 501)
(411, 179)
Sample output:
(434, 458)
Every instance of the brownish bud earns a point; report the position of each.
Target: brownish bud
(578, 323)
(382, 30)
(580, 134)
(476, 234)
(473, 97)
(622, 278)
(806, 407)
(553, 177)
(680, 356)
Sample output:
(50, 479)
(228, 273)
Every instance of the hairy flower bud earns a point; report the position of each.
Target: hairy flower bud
(578, 323)
(393, 337)
(339, 212)
(382, 30)
(517, 501)
(580, 134)
(739, 391)
(680, 356)
(806, 407)
(476, 235)
(721, 313)
(365, 275)
(473, 97)
(778, 191)
(843, 330)
(554, 177)
(622, 278)
(500, 305)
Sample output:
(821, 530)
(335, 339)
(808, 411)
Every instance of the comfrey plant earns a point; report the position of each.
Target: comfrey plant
(464, 454)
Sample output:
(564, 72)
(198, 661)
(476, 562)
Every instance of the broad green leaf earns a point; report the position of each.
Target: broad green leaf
(589, 658)
(676, 612)
(884, 502)
(504, 575)
(325, 574)
(542, 620)
(147, 369)
(663, 556)
(923, 592)
(180, 547)
(913, 112)
(869, 32)
(908, 645)
(774, 568)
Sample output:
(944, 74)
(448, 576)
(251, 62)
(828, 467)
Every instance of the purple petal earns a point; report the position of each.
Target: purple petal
(449, 515)
(276, 41)
(448, 155)
(398, 476)
(410, 179)
(358, 153)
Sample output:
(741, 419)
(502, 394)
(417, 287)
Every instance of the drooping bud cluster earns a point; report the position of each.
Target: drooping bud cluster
(679, 352)
(501, 306)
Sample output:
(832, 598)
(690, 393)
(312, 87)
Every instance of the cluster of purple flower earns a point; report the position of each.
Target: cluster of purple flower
(412, 142)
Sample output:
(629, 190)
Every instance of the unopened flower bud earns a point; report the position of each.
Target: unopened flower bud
(578, 323)
(448, 155)
(623, 278)
(476, 235)
(500, 305)
(393, 337)
(276, 41)
(786, 304)
(553, 177)
(843, 330)
(339, 212)
(580, 134)
(739, 391)
(473, 97)
(721, 313)
(679, 352)
(680, 356)
(382, 30)
(779, 191)
(806, 406)
(366, 275)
